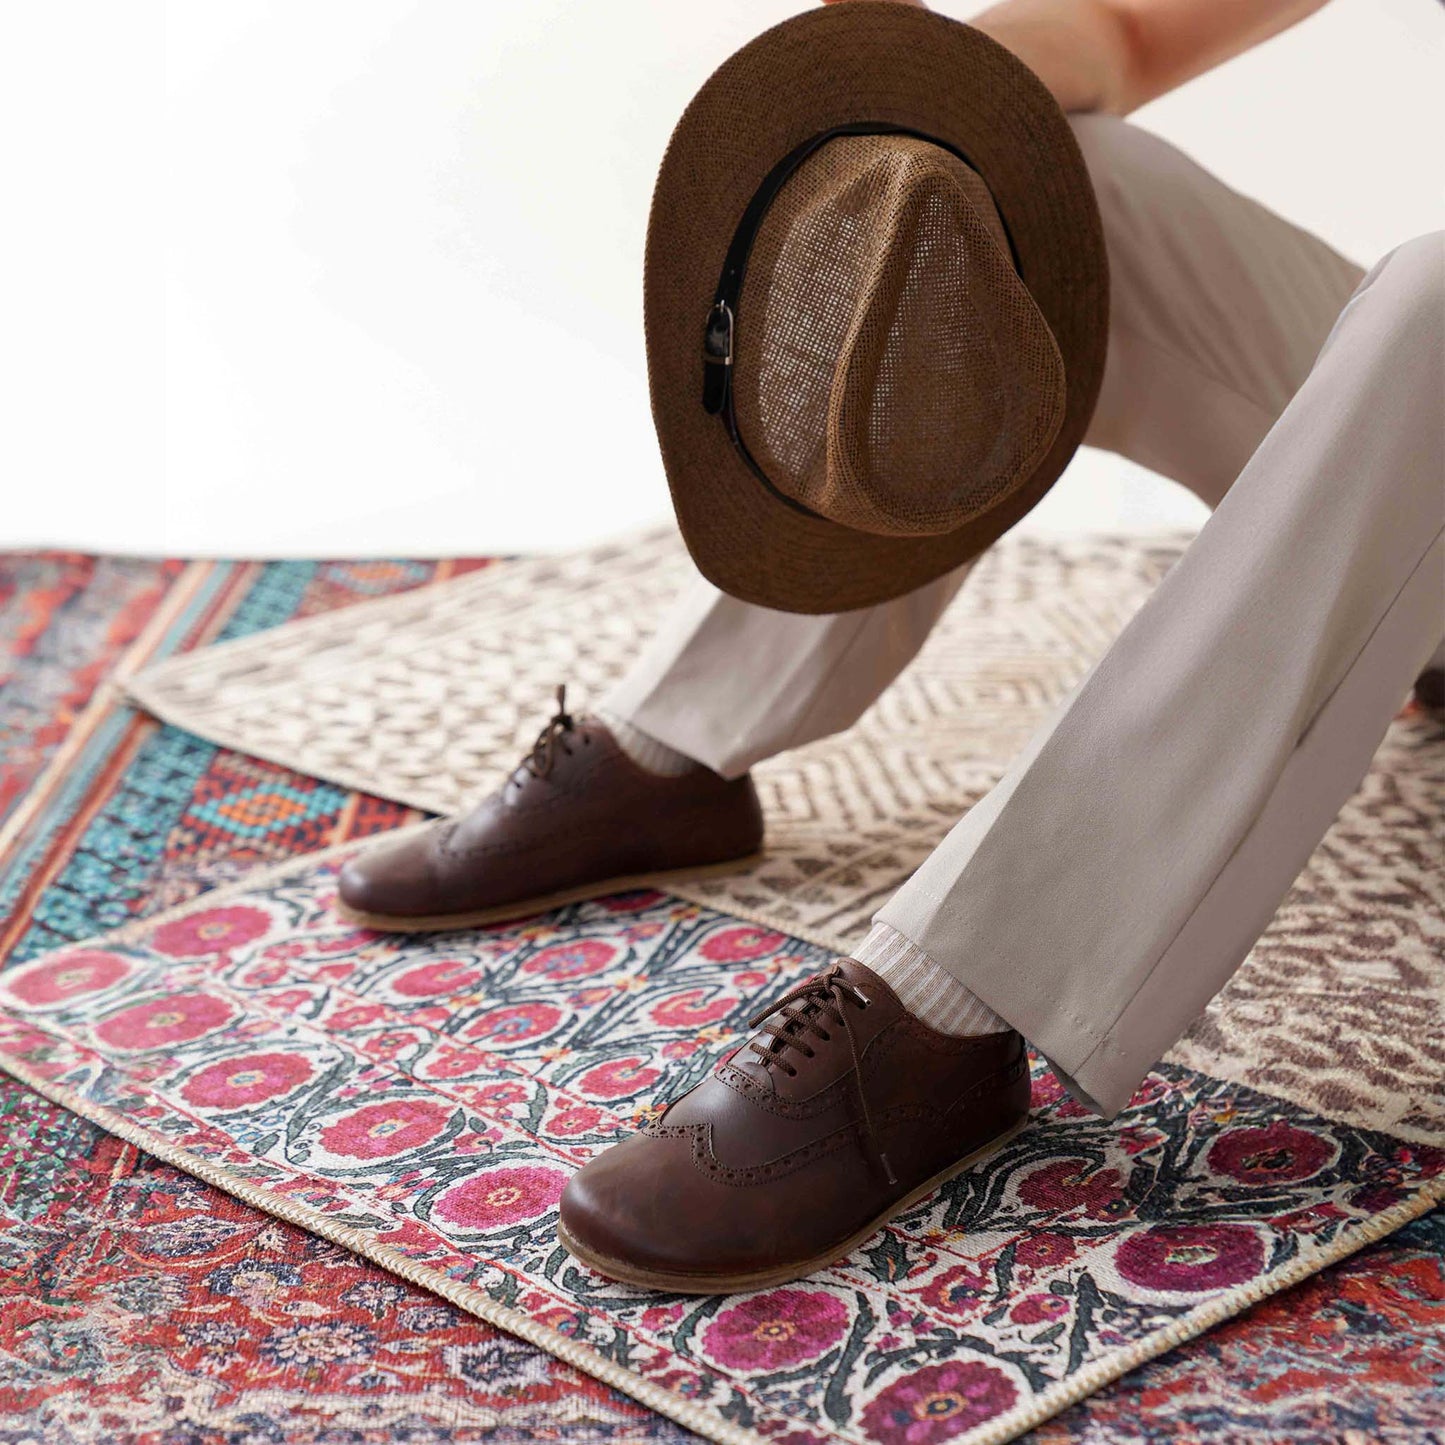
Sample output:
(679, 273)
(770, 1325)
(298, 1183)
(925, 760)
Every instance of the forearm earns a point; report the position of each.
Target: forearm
(1076, 47)
(1115, 55)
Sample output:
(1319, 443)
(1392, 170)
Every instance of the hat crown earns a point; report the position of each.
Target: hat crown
(892, 372)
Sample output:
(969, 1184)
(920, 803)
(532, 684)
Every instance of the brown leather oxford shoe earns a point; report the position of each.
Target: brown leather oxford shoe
(576, 819)
(841, 1112)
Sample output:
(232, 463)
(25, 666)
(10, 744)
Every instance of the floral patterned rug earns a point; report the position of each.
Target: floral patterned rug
(120, 816)
(134, 815)
(174, 1313)
(423, 1100)
(146, 1306)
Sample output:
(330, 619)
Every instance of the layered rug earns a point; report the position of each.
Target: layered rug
(429, 698)
(423, 1101)
(107, 814)
(144, 1305)
(1284, 1376)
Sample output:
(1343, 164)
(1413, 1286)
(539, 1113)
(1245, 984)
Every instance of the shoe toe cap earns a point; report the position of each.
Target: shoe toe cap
(391, 880)
(609, 1208)
(643, 1208)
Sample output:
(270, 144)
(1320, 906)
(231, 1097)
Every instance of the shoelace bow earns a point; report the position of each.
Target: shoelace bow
(553, 735)
(803, 1011)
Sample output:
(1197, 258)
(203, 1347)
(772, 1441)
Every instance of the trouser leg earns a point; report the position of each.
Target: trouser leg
(1130, 858)
(1218, 308)
(729, 683)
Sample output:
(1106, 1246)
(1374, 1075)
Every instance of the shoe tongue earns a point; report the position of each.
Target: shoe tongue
(860, 979)
(868, 983)
(795, 1027)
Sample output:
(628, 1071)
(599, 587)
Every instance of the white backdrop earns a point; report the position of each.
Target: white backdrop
(363, 276)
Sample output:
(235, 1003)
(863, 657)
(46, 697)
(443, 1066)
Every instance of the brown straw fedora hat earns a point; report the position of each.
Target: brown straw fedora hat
(876, 305)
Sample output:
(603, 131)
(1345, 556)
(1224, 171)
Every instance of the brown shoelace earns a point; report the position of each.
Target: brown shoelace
(537, 764)
(553, 736)
(804, 1010)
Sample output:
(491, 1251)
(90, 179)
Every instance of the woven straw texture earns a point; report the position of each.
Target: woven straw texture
(430, 697)
(895, 375)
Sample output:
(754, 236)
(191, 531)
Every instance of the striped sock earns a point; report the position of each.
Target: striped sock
(925, 988)
(645, 750)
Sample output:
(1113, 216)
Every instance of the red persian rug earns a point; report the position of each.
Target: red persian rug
(138, 813)
(143, 1305)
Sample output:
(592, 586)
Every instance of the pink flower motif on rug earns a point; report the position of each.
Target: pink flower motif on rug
(211, 931)
(380, 1131)
(1034, 1309)
(248, 1079)
(580, 1119)
(447, 975)
(960, 1290)
(65, 976)
(740, 945)
(777, 1331)
(175, 1019)
(517, 1025)
(566, 961)
(1044, 1250)
(1191, 1257)
(694, 1009)
(618, 1079)
(1070, 1184)
(501, 1197)
(456, 1064)
(1277, 1153)
(938, 1402)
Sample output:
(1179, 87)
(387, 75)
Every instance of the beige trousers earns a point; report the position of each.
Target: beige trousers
(1121, 870)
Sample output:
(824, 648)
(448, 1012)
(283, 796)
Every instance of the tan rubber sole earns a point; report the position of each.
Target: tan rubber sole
(761, 1279)
(527, 907)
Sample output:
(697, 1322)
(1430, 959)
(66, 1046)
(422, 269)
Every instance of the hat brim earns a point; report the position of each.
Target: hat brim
(827, 68)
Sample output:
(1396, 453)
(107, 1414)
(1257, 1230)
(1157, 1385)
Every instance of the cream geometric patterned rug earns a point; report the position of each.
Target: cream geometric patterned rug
(432, 696)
